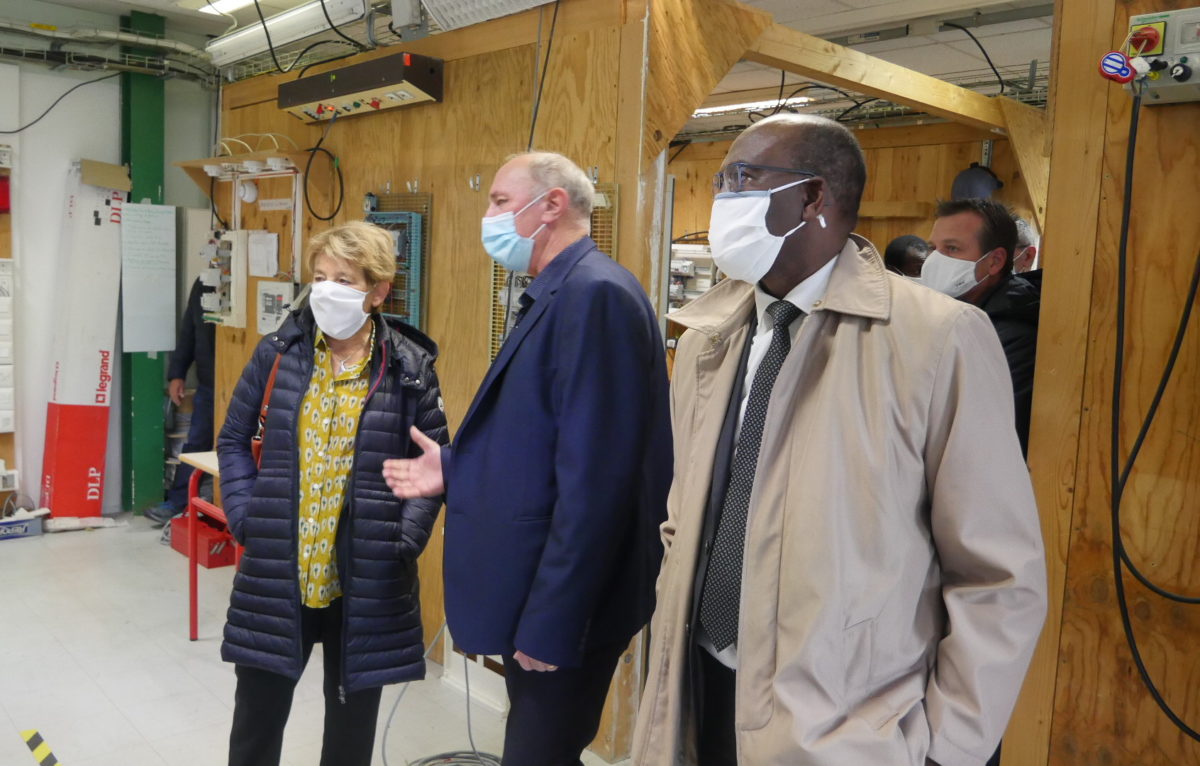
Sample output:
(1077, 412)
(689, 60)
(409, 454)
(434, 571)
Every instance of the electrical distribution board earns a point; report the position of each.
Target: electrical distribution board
(1170, 42)
(226, 275)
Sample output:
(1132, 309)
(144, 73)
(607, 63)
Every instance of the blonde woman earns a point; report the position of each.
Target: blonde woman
(330, 552)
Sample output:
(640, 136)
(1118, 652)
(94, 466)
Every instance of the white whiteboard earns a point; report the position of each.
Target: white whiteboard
(148, 277)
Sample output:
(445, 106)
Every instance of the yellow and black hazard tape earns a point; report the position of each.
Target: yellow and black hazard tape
(39, 748)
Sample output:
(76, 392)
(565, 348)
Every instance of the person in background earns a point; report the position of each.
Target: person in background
(854, 571)
(1026, 258)
(557, 479)
(904, 255)
(974, 242)
(330, 554)
(195, 344)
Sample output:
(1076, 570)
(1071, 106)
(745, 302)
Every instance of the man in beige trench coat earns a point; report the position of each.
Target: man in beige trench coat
(854, 572)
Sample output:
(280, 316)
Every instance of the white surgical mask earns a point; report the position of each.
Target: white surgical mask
(951, 276)
(337, 308)
(742, 246)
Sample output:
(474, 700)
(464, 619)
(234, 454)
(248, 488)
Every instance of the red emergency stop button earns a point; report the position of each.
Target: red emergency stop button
(1144, 39)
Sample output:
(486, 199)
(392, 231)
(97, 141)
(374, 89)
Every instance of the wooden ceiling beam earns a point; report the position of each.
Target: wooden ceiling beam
(783, 48)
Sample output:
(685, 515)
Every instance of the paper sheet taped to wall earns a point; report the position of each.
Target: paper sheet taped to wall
(148, 277)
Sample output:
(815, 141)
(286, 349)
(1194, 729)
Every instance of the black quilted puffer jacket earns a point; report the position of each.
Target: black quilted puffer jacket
(379, 537)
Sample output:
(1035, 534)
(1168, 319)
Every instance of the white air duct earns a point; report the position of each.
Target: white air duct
(286, 27)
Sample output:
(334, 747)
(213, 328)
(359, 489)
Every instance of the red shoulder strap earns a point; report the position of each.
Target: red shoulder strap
(262, 412)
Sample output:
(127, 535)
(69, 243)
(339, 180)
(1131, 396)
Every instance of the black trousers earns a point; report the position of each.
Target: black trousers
(553, 716)
(716, 738)
(263, 701)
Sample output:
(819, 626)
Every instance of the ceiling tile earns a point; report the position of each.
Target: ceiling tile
(933, 59)
(1011, 49)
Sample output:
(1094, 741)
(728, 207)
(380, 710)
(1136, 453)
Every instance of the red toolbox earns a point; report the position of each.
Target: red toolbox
(215, 546)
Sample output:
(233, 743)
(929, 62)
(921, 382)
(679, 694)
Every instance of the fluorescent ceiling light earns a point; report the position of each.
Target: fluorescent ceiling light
(452, 14)
(217, 7)
(286, 27)
(749, 106)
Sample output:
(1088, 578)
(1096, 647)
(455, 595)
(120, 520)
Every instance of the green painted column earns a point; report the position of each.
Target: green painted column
(143, 375)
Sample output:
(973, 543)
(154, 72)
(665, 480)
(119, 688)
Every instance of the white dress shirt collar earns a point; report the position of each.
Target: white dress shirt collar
(803, 296)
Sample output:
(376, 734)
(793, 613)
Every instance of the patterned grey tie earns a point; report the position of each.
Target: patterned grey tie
(722, 594)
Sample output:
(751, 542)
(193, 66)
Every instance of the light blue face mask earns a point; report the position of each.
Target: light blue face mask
(504, 244)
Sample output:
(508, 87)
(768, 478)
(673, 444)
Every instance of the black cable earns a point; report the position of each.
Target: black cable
(212, 204)
(1168, 370)
(982, 50)
(322, 61)
(780, 102)
(68, 92)
(336, 166)
(817, 86)
(1117, 487)
(275, 59)
(689, 235)
(683, 145)
(317, 44)
(537, 101)
(270, 46)
(340, 33)
(856, 105)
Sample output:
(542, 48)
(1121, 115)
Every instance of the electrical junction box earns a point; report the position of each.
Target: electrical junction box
(401, 79)
(1170, 41)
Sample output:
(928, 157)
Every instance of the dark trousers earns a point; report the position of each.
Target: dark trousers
(199, 439)
(716, 742)
(263, 700)
(553, 716)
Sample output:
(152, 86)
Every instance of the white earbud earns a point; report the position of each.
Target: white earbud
(821, 220)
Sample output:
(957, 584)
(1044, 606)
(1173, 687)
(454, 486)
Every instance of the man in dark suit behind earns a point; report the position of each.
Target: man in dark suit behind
(557, 479)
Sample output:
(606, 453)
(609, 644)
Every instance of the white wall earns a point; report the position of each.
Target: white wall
(190, 111)
(87, 123)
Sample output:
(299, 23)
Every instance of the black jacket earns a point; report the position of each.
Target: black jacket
(1013, 308)
(196, 342)
(379, 537)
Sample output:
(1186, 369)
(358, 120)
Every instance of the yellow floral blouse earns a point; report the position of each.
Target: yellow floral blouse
(328, 424)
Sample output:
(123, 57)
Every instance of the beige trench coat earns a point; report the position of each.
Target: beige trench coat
(894, 581)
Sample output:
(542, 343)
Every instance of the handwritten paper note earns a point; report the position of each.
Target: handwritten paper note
(148, 277)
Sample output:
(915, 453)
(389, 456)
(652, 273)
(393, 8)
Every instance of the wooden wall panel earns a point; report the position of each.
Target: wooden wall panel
(909, 164)
(484, 118)
(1102, 713)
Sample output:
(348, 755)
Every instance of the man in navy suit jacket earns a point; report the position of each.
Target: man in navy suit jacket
(557, 479)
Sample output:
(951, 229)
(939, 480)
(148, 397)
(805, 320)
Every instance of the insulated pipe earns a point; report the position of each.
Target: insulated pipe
(94, 35)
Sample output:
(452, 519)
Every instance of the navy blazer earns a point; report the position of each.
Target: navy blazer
(557, 479)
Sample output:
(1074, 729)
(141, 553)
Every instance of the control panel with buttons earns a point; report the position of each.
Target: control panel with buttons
(397, 80)
(1170, 44)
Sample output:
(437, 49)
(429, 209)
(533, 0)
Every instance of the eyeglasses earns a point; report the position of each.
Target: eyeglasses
(733, 177)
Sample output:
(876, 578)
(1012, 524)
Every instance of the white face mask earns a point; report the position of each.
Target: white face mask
(737, 232)
(338, 309)
(951, 276)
